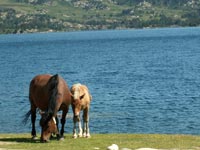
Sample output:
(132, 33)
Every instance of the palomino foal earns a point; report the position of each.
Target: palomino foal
(81, 101)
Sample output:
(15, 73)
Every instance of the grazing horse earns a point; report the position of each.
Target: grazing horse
(81, 101)
(50, 94)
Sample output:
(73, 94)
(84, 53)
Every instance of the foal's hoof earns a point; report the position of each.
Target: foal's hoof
(86, 135)
(61, 139)
(80, 135)
(74, 136)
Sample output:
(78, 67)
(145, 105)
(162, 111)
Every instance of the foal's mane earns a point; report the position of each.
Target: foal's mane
(53, 92)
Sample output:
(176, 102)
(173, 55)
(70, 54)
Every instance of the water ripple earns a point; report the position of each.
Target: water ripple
(142, 81)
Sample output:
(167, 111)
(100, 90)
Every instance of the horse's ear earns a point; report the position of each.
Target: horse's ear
(82, 96)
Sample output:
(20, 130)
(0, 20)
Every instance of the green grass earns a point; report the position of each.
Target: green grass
(102, 141)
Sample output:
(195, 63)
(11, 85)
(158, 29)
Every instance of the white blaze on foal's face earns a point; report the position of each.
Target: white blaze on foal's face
(76, 93)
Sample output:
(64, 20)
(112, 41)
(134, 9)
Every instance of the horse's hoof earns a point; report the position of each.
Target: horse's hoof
(34, 137)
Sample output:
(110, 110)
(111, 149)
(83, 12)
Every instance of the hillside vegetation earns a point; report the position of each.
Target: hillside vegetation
(19, 16)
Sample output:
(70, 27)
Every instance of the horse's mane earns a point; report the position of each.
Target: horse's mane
(53, 89)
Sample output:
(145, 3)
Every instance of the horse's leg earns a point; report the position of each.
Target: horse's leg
(86, 132)
(63, 120)
(33, 118)
(57, 123)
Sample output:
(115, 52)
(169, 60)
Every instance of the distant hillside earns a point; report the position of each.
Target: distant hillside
(19, 16)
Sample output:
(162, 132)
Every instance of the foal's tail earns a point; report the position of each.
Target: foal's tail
(53, 89)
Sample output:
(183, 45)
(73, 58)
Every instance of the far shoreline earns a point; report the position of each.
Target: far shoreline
(102, 30)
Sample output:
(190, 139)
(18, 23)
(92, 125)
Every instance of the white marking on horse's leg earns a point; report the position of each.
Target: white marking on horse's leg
(80, 129)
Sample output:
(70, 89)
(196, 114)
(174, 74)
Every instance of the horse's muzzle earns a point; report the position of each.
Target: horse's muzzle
(44, 141)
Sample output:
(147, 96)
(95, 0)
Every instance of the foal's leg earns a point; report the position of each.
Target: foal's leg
(80, 134)
(77, 119)
(86, 131)
(74, 129)
(33, 118)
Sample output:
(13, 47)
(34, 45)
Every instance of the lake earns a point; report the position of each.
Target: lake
(142, 81)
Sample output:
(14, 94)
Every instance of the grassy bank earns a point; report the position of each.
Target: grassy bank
(102, 141)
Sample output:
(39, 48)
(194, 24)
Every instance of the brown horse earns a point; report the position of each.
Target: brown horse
(81, 101)
(50, 94)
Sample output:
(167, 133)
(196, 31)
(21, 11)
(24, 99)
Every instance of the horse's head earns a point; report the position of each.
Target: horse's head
(77, 97)
(48, 125)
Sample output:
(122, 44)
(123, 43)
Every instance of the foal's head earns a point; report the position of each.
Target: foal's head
(77, 97)
(48, 124)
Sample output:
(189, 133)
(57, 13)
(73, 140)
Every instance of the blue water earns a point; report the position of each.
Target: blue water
(142, 81)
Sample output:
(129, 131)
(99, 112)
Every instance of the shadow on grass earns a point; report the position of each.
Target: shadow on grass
(23, 140)
(19, 140)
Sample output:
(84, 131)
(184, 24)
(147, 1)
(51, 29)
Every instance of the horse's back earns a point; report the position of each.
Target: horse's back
(38, 92)
(40, 80)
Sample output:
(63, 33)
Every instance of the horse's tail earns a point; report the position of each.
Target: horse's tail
(53, 88)
(26, 117)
